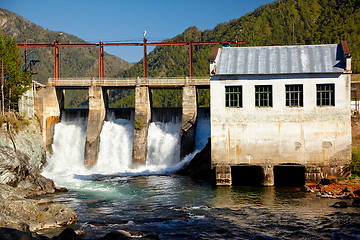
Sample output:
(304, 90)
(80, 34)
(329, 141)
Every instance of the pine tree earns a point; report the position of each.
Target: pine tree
(14, 81)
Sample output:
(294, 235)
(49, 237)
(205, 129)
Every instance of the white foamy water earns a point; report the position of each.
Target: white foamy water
(66, 165)
(163, 144)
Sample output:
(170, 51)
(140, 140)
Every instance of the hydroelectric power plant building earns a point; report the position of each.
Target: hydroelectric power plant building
(280, 114)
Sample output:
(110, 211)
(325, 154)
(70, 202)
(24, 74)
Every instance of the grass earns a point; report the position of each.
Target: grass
(355, 161)
(355, 77)
(16, 123)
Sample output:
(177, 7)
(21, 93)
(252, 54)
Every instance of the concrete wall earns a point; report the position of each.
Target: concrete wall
(189, 116)
(142, 121)
(26, 103)
(48, 103)
(316, 137)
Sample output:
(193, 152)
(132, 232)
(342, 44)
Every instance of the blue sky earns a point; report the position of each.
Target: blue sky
(126, 20)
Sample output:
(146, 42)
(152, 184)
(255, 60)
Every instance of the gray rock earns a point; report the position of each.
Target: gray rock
(340, 204)
(13, 166)
(22, 155)
(356, 202)
(15, 172)
(120, 234)
(20, 213)
(27, 140)
(151, 236)
(9, 234)
(67, 234)
(305, 188)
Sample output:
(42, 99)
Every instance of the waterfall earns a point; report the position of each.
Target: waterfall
(115, 153)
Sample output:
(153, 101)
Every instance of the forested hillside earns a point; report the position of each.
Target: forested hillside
(283, 22)
(74, 62)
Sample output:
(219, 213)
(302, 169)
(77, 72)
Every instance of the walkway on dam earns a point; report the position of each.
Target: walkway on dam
(130, 82)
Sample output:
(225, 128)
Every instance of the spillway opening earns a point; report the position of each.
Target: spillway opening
(203, 97)
(76, 99)
(247, 175)
(123, 98)
(289, 175)
(166, 98)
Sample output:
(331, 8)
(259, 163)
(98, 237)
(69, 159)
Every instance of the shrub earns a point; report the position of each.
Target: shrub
(355, 161)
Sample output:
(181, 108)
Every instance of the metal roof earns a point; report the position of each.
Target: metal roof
(327, 58)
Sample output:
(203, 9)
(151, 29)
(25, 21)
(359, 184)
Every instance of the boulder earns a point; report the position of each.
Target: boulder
(117, 235)
(305, 188)
(67, 234)
(151, 236)
(357, 192)
(15, 171)
(27, 214)
(356, 202)
(13, 166)
(52, 216)
(20, 213)
(328, 180)
(9, 233)
(25, 138)
(22, 155)
(340, 204)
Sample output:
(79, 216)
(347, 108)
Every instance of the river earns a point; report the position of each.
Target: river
(112, 196)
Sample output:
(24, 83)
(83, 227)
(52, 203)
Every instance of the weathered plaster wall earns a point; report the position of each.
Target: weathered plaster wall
(309, 135)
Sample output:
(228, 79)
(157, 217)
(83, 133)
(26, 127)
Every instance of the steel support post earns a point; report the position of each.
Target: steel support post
(144, 60)
(191, 60)
(101, 62)
(56, 61)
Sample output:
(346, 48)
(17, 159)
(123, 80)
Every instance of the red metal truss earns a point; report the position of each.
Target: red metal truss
(56, 45)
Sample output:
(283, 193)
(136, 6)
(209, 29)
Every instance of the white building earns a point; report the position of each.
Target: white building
(280, 113)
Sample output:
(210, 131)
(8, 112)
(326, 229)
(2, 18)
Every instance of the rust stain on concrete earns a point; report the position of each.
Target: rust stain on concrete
(279, 127)
(228, 155)
(238, 152)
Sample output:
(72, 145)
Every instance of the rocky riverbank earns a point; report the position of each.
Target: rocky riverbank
(22, 156)
(333, 188)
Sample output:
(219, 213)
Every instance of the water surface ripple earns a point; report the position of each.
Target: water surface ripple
(176, 207)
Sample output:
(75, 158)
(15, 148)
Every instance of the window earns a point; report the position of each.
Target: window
(325, 94)
(233, 96)
(294, 95)
(263, 96)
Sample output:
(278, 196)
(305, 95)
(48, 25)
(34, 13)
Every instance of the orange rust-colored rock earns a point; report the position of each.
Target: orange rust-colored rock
(341, 189)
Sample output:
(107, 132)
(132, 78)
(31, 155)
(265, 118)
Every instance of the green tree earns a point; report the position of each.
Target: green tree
(15, 81)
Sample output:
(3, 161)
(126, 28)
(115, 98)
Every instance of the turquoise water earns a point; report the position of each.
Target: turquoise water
(113, 196)
(177, 207)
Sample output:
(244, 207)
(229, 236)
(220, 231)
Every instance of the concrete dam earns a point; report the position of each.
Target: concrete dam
(49, 105)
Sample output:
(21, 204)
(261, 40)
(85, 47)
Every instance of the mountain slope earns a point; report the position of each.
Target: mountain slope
(282, 22)
(74, 62)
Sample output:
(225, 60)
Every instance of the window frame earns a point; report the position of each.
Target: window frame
(294, 96)
(325, 97)
(260, 92)
(234, 96)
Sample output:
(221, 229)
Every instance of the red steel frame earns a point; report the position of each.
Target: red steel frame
(101, 46)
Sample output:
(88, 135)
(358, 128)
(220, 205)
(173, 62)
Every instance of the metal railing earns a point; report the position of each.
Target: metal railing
(132, 82)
